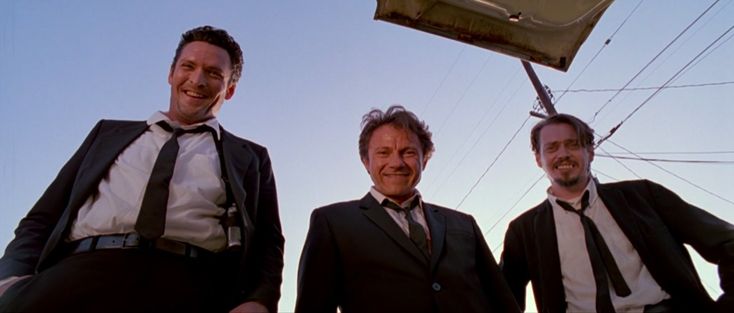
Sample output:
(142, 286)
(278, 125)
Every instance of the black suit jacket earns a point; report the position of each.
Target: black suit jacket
(40, 237)
(357, 258)
(655, 220)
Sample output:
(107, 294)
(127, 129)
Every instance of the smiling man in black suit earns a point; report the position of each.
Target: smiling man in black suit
(610, 247)
(391, 251)
(172, 214)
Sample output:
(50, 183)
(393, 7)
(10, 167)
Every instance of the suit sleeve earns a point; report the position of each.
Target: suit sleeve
(23, 252)
(495, 286)
(267, 250)
(318, 269)
(513, 264)
(710, 236)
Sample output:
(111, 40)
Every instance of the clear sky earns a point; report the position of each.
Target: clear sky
(313, 68)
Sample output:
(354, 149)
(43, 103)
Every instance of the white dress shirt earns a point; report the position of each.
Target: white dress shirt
(578, 277)
(196, 189)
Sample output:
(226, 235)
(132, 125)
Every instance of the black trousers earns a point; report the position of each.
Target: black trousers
(124, 281)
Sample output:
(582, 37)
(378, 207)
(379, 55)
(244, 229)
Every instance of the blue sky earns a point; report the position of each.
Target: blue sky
(313, 68)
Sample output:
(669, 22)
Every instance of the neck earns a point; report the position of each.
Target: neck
(569, 192)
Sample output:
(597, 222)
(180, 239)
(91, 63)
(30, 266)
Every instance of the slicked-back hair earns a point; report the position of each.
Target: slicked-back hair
(217, 37)
(584, 133)
(400, 118)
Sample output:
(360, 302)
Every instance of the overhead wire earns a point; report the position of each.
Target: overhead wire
(598, 52)
(461, 98)
(709, 52)
(649, 88)
(621, 164)
(445, 77)
(493, 162)
(537, 180)
(474, 129)
(654, 58)
(657, 91)
(663, 160)
(476, 142)
(678, 176)
(681, 152)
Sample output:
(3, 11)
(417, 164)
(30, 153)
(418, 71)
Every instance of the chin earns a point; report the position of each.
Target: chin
(567, 182)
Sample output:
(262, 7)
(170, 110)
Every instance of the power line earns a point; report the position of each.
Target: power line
(451, 69)
(672, 78)
(493, 162)
(678, 176)
(654, 58)
(649, 88)
(514, 205)
(458, 101)
(606, 43)
(680, 152)
(481, 136)
(662, 160)
(622, 164)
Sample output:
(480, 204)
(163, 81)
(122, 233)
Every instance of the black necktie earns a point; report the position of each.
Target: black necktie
(602, 262)
(415, 231)
(152, 217)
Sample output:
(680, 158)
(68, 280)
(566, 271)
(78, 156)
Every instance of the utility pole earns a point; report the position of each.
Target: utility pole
(545, 99)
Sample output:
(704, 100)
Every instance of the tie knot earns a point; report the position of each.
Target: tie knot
(568, 207)
(180, 131)
(394, 206)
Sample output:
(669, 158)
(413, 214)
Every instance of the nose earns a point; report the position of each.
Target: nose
(396, 160)
(197, 78)
(563, 150)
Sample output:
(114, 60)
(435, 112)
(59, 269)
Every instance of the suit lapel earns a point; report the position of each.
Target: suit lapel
(108, 145)
(376, 213)
(237, 162)
(437, 225)
(546, 244)
(101, 154)
(237, 159)
(622, 213)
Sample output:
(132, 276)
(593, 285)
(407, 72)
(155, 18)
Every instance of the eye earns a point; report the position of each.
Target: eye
(573, 144)
(382, 153)
(216, 74)
(550, 148)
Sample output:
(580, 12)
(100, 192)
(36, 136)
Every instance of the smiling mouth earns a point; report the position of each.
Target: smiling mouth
(194, 94)
(396, 175)
(565, 166)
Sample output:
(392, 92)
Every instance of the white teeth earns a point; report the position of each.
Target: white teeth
(193, 94)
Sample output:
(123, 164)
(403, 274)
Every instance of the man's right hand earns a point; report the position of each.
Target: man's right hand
(6, 283)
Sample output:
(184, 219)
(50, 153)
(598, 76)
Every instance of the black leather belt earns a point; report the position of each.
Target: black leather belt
(134, 241)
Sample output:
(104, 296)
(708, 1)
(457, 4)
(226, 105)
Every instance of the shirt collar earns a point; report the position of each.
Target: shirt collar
(159, 116)
(380, 197)
(576, 201)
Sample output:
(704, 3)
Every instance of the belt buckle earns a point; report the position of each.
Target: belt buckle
(132, 241)
(174, 247)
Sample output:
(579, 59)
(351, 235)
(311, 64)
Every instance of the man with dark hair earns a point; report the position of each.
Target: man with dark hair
(390, 251)
(610, 247)
(172, 214)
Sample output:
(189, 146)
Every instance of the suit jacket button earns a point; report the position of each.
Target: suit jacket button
(436, 286)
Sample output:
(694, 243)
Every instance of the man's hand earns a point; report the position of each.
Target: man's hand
(250, 307)
(6, 283)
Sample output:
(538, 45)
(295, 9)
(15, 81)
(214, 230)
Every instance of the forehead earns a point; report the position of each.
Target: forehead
(557, 132)
(206, 53)
(389, 135)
